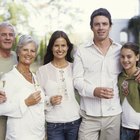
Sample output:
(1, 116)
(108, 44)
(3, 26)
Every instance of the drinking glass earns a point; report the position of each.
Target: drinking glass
(2, 81)
(110, 84)
(2, 85)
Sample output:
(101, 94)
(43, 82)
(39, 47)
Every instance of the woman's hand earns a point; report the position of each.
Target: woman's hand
(56, 100)
(33, 99)
(2, 97)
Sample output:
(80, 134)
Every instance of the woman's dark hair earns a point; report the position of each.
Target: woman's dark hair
(100, 12)
(134, 47)
(49, 54)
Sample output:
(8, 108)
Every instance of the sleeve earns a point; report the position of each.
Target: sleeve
(11, 109)
(14, 106)
(84, 87)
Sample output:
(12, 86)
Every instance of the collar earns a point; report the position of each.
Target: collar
(124, 74)
(91, 43)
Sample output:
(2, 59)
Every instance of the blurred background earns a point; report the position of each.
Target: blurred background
(41, 18)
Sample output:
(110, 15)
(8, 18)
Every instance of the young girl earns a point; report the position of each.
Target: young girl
(129, 92)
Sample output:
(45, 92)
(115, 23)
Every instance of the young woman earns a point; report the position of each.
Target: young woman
(55, 77)
(129, 90)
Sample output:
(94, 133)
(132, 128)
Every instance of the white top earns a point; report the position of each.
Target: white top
(92, 69)
(24, 123)
(130, 118)
(55, 81)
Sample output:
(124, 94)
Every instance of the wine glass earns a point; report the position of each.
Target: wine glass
(2, 85)
(110, 84)
(36, 87)
(2, 81)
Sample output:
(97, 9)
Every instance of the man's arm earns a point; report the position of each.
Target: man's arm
(84, 87)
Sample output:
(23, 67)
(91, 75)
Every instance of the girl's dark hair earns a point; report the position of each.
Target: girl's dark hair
(134, 47)
(49, 54)
(100, 12)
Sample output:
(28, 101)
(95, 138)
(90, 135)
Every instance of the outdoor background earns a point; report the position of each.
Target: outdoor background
(41, 18)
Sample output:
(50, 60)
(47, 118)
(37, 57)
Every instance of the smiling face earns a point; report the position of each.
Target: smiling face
(101, 28)
(128, 59)
(7, 38)
(27, 54)
(60, 48)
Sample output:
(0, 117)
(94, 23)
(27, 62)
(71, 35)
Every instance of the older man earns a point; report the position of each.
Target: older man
(7, 60)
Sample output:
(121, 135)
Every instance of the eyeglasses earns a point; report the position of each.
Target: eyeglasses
(7, 34)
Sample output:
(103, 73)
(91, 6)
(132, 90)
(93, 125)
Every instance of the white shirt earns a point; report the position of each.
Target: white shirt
(24, 123)
(92, 69)
(50, 79)
(130, 118)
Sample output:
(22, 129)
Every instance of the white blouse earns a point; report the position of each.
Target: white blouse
(24, 123)
(55, 81)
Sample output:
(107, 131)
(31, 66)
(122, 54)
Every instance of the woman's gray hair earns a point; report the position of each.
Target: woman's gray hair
(24, 40)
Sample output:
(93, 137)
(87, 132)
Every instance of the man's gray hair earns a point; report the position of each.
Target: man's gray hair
(7, 24)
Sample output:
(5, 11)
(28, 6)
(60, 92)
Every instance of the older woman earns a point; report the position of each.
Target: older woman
(25, 100)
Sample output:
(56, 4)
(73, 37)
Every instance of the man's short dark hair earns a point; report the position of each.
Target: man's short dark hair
(100, 12)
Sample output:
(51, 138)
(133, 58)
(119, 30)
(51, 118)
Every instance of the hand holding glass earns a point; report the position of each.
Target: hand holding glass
(109, 85)
(2, 93)
(110, 92)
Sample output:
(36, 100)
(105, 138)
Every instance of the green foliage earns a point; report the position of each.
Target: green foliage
(13, 12)
(15, 43)
(42, 49)
(18, 13)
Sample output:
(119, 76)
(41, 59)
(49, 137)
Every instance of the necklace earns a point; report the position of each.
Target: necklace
(63, 65)
(29, 77)
(26, 75)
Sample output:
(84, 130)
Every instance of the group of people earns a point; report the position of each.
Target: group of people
(29, 99)
(104, 73)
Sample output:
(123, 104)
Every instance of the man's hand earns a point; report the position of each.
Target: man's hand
(103, 92)
(137, 74)
(33, 99)
(2, 97)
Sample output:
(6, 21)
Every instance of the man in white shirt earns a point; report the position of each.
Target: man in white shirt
(7, 60)
(96, 67)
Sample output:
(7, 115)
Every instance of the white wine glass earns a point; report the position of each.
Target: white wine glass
(2, 81)
(110, 84)
(2, 85)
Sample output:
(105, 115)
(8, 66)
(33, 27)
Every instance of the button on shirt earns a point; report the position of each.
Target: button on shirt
(92, 69)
